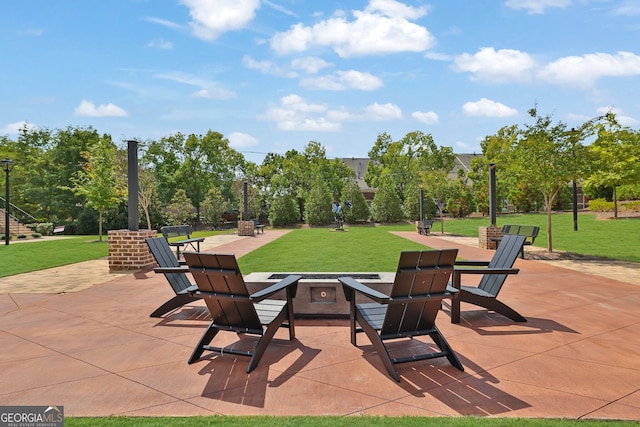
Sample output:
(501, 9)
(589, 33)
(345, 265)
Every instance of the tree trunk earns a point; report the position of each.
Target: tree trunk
(100, 225)
(615, 203)
(147, 216)
(549, 233)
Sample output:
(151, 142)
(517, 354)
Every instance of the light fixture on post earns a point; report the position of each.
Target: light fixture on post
(7, 165)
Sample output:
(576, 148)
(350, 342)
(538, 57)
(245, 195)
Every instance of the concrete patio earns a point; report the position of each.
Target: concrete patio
(95, 350)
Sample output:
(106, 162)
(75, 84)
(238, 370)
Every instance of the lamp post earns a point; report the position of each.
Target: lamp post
(7, 165)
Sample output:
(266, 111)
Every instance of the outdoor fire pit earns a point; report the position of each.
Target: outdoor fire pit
(320, 294)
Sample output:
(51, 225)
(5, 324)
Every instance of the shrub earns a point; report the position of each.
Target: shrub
(36, 235)
(22, 236)
(318, 205)
(283, 211)
(386, 206)
(43, 228)
(600, 205)
(632, 206)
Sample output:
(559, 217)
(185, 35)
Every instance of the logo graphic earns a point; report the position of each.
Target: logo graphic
(31, 416)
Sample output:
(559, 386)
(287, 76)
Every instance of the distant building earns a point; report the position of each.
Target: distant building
(359, 166)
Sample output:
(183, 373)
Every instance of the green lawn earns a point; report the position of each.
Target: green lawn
(611, 238)
(364, 248)
(360, 248)
(24, 257)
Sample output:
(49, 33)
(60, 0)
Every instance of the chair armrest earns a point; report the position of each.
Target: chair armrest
(456, 276)
(291, 280)
(485, 270)
(351, 284)
(171, 270)
(470, 262)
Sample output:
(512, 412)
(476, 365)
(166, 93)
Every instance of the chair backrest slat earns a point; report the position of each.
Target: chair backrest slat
(504, 257)
(420, 274)
(161, 251)
(220, 274)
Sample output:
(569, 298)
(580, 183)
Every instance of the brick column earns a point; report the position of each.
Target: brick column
(485, 234)
(128, 250)
(246, 228)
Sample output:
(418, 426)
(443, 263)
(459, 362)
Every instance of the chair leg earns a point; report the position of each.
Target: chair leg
(495, 305)
(208, 335)
(443, 345)
(373, 336)
(455, 308)
(175, 302)
(265, 339)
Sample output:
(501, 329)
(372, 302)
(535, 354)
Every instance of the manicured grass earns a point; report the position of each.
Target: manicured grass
(353, 421)
(359, 248)
(30, 256)
(37, 255)
(611, 238)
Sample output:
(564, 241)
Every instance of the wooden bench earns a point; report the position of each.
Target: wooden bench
(424, 226)
(259, 227)
(172, 231)
(529, 231)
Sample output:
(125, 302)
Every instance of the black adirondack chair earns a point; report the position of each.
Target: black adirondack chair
(494, 275)
(233, 309)
(410, 310)
(169, 265)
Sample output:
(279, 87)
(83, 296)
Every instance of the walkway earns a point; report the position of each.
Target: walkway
(97, 352)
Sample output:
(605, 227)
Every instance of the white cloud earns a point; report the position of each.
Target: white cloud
(343, 80)
(426, 117)
(89, 109)
(279, 8)
(17, 127)
(266, 67)
(310, 64)
(239, 140)
(207, 89)
(623, 119)
(33, 32)
(536, 7)
(163, 22)
(627, 8)
(160, 44)
(210, 19)
(383, 112)
(488, 108)
(383, 27)
(585, 70)
(294, 113)
(504, 65)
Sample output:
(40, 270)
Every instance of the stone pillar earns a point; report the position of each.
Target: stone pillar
(246, 228)
(128, 250)
(485, 234)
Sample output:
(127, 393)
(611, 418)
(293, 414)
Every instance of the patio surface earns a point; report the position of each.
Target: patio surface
(95, 350)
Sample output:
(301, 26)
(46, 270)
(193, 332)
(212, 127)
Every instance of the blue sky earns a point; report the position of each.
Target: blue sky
(272, 75)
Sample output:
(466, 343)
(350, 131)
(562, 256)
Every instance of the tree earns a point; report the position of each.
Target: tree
(399, 163)
(548, 157)
(213, 207)
(147, 192)
(283, 211)
(439, 188)
(616, 157)
(180, 210)
(318, 205)
(359, 210)
(386, 205)
(98, 180)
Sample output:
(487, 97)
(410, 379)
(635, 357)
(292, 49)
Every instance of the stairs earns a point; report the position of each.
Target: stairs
(15, 226)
